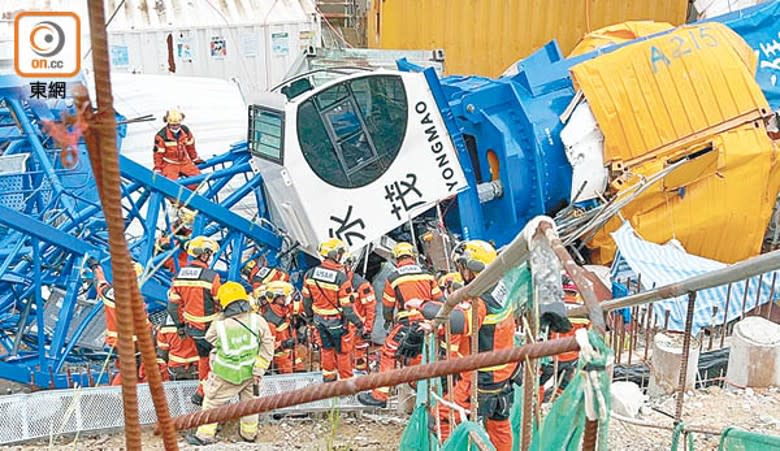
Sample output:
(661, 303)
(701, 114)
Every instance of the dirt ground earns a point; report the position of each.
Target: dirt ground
(711, 409)
(372, 432)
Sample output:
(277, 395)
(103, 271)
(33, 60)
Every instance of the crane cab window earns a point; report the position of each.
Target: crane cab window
(352, 132)
(266, 133)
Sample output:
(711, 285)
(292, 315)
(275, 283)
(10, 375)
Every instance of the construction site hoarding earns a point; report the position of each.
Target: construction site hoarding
(485, 36)
(254, 42)
(689, 94)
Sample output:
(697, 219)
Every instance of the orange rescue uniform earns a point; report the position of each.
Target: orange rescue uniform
(365, 307)
(496, 332)
(174, 154)
(327, 298)
(278, 318)
(408, 281)
(193, 302)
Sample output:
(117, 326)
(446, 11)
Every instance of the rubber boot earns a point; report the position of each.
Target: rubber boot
(368, 400)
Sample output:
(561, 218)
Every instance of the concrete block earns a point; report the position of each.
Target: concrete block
(627, 398)
(667, 355)
(754, 359)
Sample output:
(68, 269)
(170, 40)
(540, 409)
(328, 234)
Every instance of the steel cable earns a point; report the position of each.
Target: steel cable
(131, 315)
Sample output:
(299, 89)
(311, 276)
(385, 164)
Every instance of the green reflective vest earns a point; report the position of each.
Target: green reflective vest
(236, 349)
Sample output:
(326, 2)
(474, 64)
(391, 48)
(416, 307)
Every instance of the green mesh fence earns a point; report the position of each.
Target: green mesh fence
(734, 439)
(561, 429)
(465, 436)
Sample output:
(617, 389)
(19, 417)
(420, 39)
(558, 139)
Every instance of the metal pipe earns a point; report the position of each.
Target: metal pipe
(745, 296)
(514, 254)
(725, 316)
(362, 383)
(771, 296)
(739, 271)
(590, 286)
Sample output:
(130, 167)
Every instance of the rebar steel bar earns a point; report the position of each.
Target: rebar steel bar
(131, 315)
(371, 381)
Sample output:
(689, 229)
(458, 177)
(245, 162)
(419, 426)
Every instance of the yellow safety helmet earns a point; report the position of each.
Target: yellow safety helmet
(273, 290)
(474, 255)
(451, 279)
(173, 117)
(200, 244)
(186, 216)
(403, 249)
(139, 269)
(231, 292)
(333, 249)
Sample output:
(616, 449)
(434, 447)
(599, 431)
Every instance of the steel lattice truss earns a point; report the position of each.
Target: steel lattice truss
(51, 223)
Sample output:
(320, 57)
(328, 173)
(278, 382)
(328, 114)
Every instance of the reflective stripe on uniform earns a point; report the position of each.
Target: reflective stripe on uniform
(495, 318)
(261, 362)
(321, 284)
(193, 283)
(200, 319)
(207, 430)
(177, 359)
(411, 278)
(325, 311)
(388, 298)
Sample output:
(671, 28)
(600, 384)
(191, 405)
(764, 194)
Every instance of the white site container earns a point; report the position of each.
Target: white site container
(253, 41)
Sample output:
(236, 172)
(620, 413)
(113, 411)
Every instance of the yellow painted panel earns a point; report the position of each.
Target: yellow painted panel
(617, 34)
(722, 216)
(484, 37)
(650, 95)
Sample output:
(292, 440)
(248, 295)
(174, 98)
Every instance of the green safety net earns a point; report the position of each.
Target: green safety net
(561, 429)
(465, 434)
(735, 439)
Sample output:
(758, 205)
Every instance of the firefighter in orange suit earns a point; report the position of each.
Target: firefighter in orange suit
(365, 306)
(328, 303)
(174, 148)
(192, 302)
(406, 283)
(567, 361)
(496, 331)
(181, 232)
(258, 273)
(278, 315)
(105, 292)
(177, 352)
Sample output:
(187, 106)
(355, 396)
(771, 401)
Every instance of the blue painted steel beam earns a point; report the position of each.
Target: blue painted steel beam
(135, 172)
(45, 232)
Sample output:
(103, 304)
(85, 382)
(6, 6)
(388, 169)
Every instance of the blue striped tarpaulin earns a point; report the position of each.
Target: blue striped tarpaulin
(664, 264)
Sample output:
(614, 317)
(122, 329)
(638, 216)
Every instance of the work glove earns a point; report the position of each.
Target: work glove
(301, 335)
(554, 316)
(288, 344)
(198, 161)
(181, 331)
(365, 334)
(412, 343)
